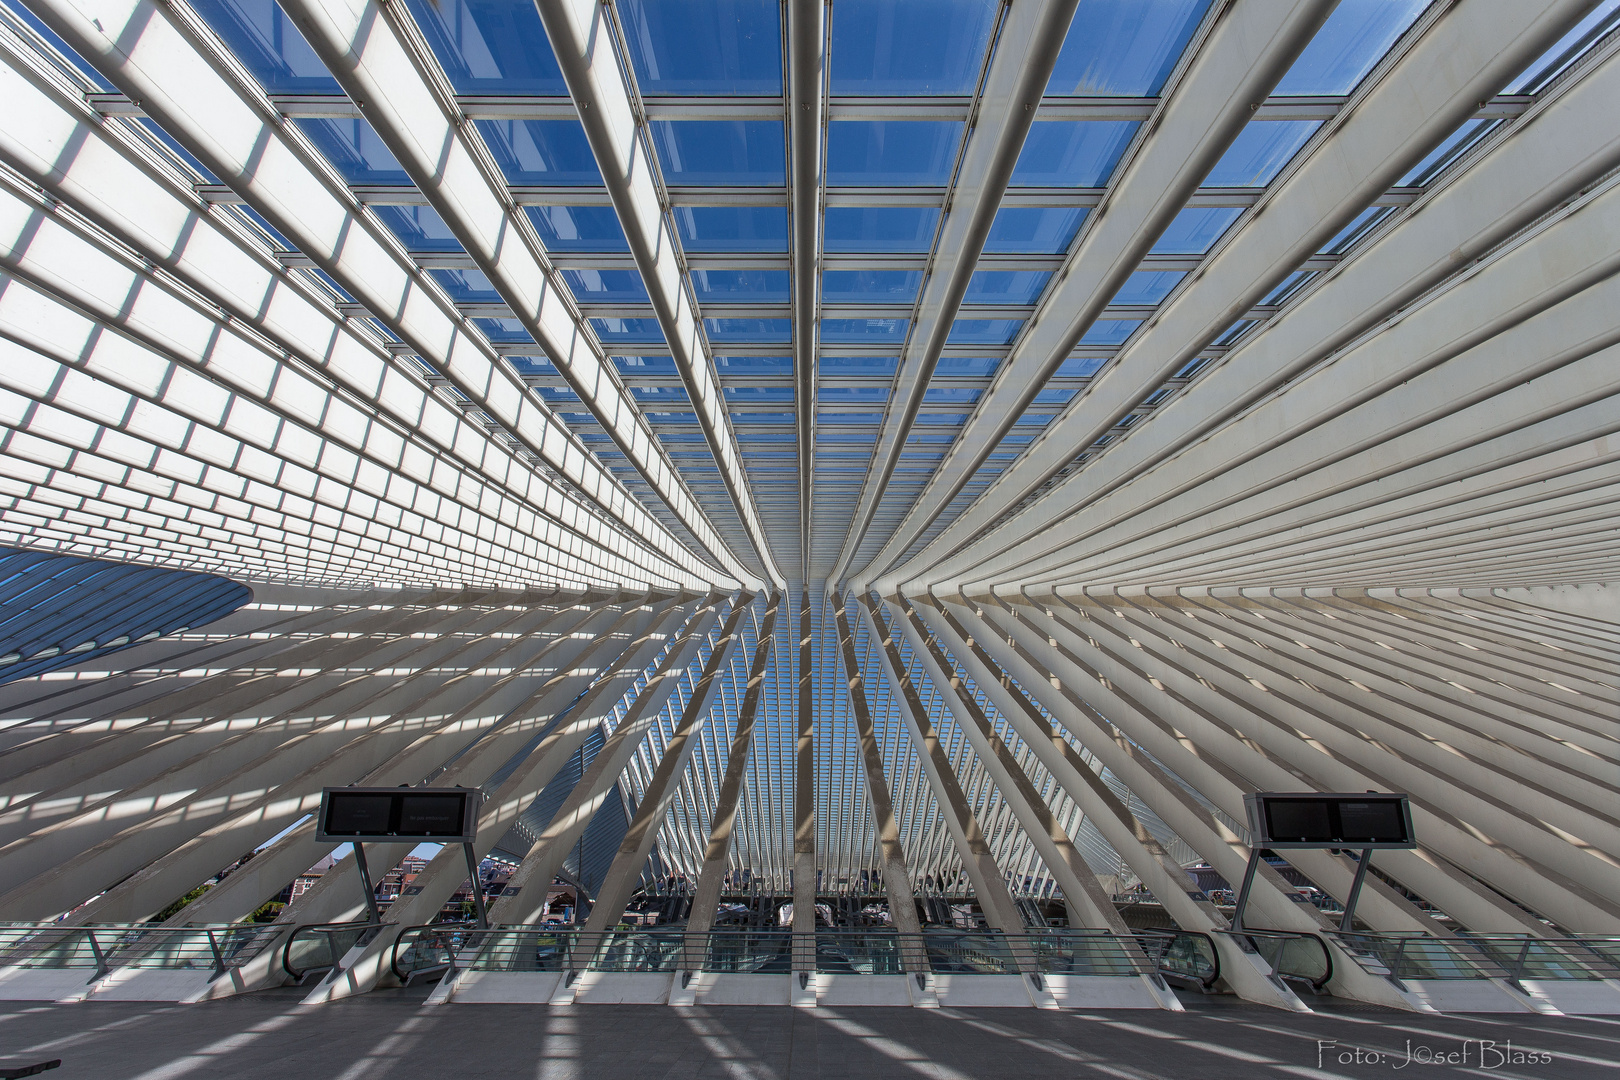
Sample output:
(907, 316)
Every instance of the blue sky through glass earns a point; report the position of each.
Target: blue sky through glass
(578, 228)
(1260, 151)
(1124, 47)
(720, 151)
(266, 41)
(732, 228)
(1193, 231)
(490, 46)
(541, 151)
(703, 46)
(1033, 230)
(909, 46)
(879, 228)
(1354, 38)
(891, 152)
(1072, 153)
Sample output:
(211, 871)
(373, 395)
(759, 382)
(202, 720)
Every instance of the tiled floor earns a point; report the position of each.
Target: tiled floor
(391, 1034)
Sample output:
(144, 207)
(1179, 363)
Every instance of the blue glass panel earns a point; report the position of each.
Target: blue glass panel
(870, 286)
(1147, 287)
(1357, 228)
(1287, 287)
(1570, 47)
(355, 149)
(490, 46)
(762, 331)
(721, 151)
(1080, 367)
(1072, 154)
(879, 229)
(966, 366)
(177, 150)
(631, 366)
(1354, 38)
(1054, 397)
(1194, 231)
(419, 228)
(760, 395)
(1447, 152)
(1006, 286)
(1125, 47)
(704, 46)
(626, 331)
(505, 331)
(466, 286)
(853, 395)
(1033, 230)
(754, 365)
(909, 46)
(883, 366)
(1109, 331)
(864, 331)
(732, 228)
(541, 151)
(735, 285)
(73, 58)
(606, 285)
(269, 45)
(984, 331)
(1260, 151)
(887, 152)
(579, 228)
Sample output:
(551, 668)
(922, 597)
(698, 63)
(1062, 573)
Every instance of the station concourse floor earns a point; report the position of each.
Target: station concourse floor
(392, 1034)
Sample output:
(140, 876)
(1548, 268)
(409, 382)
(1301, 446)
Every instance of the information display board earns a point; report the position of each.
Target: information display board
(1312, 819)
(372, 815)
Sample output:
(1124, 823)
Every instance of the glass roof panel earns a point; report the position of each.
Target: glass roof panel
(541, 151)
(1444, 154)
(732, 228)
(490, 47)
(864, 331)
(762, 331)
(466, 286)
(578, 228)
(1080, 367)
(419, 228)
(720, 151)
(879, 229)
(626, 331)
(984, 331)
(1147, 286)
(880, 366)
(871, 286)
(1597, 23)
(355, 149)
(269, 45)
(1109, 331)
(1356, 229)
(1034, 230)
(703, 46)
(74, 59)
(890, 152)
(1354, 38)
(508, 331)
(909, 46)
(963, 367)
(739, 366)
(1006, 286)
(741, 284)
(1194, 231)
(1081, 153)
(1124, 47)
(1260, 151)
(607, 285)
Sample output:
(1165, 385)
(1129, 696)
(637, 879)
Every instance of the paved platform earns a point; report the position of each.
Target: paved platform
(392, 1034)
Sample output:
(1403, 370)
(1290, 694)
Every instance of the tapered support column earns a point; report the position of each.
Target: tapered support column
(804, 797)
(1068, 869)
(623, 875)
(896, 877)
(999, 909)
(545, 856)
(706, 901)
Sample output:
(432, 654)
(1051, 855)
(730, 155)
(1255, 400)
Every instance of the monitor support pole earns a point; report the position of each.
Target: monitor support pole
(365, 881)
(1243, 893)
(477, 886)
(1347, 923)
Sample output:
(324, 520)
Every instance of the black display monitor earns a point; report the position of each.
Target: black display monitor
(1311, 819)
(369, 815)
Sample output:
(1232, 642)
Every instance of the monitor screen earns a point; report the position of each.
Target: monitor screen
(1300, 820)
(359, 814)
(1379, 821)
(431, 815)
(446, 815)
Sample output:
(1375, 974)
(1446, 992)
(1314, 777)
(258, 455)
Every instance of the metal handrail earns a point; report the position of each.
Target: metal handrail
(859, 952)
(1273, 947)
(1576, 958)
(1177, 954)
(108, 947)
(1416, 955)
(327, 933)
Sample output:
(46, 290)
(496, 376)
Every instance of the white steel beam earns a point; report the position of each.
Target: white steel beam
(806, 39)
(1247, 51)
(1026, 50)
(585, 40)
(154, 53)
(1469, 52)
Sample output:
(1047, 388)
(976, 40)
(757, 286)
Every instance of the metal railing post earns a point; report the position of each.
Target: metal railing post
(102, 970)
(219, 957)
